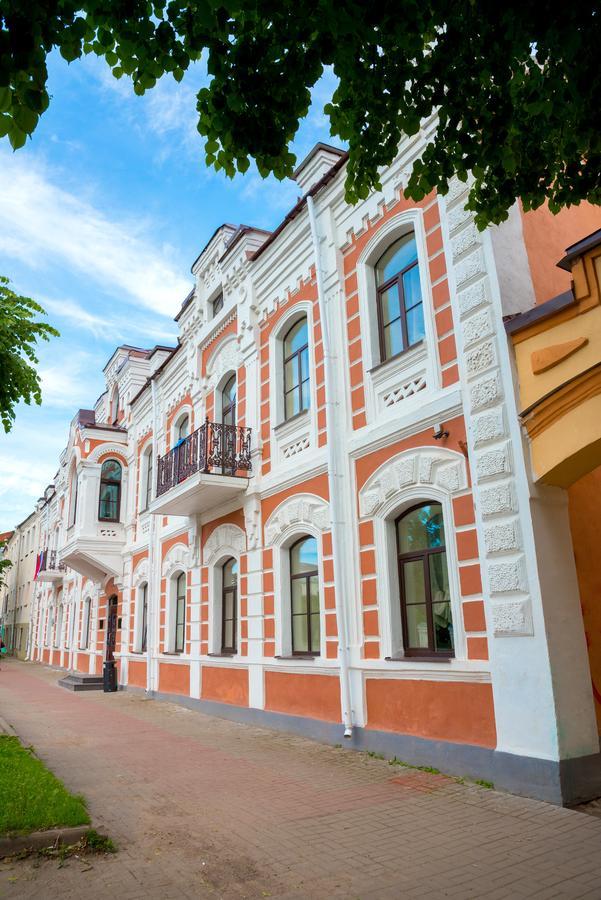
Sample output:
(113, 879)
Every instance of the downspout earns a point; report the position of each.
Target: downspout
(335, 481)
(151, 592)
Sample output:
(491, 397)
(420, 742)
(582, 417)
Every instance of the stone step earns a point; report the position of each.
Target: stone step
(81, 683)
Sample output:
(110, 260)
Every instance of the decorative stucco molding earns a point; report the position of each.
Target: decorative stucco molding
(225, 359)
(177, 559)
(141, 573)
(298, 510)
(103, 449)
(428, 466)
(224, 539)
(498, 502)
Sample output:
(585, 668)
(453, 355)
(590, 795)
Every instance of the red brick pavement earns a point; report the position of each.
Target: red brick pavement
(201, 807)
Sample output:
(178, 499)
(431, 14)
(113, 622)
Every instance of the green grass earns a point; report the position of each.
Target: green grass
(31, 797)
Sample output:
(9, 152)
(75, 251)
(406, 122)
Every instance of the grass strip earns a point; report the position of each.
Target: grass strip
(31, 797)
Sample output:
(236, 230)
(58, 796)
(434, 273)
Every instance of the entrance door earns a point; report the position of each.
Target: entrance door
(111, 629)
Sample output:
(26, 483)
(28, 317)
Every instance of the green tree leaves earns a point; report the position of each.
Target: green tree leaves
(19, 333)
(515, 86)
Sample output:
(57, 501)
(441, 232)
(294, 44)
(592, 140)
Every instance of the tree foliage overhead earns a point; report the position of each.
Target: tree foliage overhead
(19, 333)
(517, 85)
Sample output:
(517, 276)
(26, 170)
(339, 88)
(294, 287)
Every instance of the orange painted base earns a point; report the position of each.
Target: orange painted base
(136, 673)
(225, 685)
(317, 696)
(461, 713)
(174, 679)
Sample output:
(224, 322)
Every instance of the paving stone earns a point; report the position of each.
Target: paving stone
(202, 807)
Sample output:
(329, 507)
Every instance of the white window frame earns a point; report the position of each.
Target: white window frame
(282, 592)
(387, 573)
(300, 429)
(170, 618)
(139, 616)
(86, 624)
(419, 361)
(146, 470)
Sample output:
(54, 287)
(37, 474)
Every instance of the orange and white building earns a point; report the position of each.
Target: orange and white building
(318, 511)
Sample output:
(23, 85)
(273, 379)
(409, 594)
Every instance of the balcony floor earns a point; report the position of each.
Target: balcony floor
(197, 494)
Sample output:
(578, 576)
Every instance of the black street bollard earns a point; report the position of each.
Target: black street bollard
(109, 677)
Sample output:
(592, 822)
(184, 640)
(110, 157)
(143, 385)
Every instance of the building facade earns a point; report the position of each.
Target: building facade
(317, 513)
(16, 597)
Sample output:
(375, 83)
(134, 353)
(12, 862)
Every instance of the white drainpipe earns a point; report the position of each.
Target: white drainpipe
(151, 599)
(335, 482)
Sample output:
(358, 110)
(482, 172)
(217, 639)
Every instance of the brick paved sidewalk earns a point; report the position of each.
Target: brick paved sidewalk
(201, 807)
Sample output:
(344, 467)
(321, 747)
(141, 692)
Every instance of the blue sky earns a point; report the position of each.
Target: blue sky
(101, 215)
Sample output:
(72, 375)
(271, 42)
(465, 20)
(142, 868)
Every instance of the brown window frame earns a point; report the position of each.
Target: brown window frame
(231, 589)
(119, 482)
(423, 556)
(230, 408)
(402, 317)
(314, 573)
(299, 371)
(177, 623)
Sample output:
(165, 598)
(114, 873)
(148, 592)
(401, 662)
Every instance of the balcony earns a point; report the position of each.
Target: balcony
(95, 550)
(209, 467)
(51, 567)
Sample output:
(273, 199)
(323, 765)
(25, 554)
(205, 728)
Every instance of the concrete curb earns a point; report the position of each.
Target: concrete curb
(5, 728)
(40, 840)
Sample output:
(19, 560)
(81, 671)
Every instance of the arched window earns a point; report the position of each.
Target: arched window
(399, 298)
(109, 504)
(180, 614)
(304, 595)
(73, 496)
(424, 582)
(296, 369)
(144, 619)
(228, 402)
(146, 479)
(85, 625)
(183, 428)
(115, 406)
(229, 603)
(58, 635)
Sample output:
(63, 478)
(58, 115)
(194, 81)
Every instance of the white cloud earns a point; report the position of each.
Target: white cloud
(110, 327)
(57, 226)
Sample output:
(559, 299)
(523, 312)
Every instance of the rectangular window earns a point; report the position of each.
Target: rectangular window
(217, 304)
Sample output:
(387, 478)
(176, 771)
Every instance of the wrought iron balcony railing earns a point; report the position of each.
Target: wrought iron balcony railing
(213, 448)
(49, 562)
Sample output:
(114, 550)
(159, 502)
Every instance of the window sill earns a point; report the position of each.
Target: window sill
(226, 655)
(413, 349)
(419, 659)
(292, 421)
(172, 652)
(300, 656)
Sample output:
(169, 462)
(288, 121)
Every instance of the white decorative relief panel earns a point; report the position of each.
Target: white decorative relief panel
(428, 466)
(491, 451)
(405, 390)
(228, 538)
(295, 448)
(298, 510)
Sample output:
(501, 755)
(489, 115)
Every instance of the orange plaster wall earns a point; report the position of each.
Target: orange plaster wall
(317, 696)
(547, 237)
(136, 673)
(82, 663)
(443, 711)
(225, 685)
(174, 679)
(584, 499)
